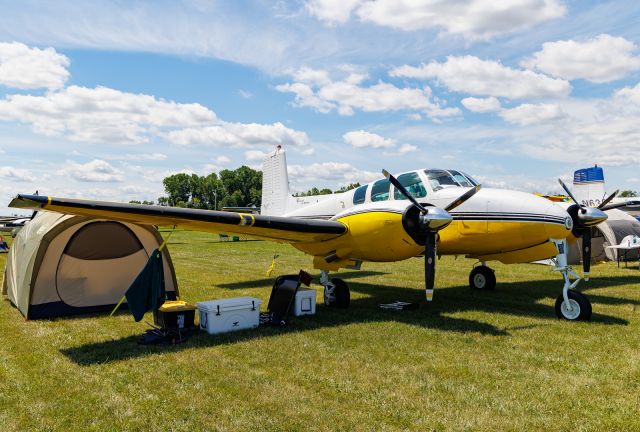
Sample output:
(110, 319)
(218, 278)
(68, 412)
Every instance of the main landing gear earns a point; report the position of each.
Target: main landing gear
(336, 291)
(482, 278)
(570, 305)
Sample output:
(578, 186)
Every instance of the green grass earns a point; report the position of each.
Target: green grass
(468, 361)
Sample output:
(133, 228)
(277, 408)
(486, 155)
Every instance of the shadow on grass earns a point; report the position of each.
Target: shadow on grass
(268, 282)
(517, 298)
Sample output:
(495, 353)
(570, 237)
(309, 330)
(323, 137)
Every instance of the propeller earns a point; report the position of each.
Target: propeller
(431, 220)
(583, 219)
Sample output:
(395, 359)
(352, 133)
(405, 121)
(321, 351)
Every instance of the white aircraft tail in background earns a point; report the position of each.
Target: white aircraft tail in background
(588, 186)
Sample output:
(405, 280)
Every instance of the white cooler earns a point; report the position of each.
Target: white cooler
(221, 316)
(305, 302)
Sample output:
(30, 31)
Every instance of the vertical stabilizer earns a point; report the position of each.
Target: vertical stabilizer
(588, 186)
(275, 183)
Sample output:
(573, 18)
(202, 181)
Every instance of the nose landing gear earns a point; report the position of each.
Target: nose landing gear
(570, 305)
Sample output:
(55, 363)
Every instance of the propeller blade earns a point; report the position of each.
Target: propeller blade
(566, 189)
(618, 205)
(609, 198)
(586, 253)
(430, 263)
(403, 190)
(468, 194)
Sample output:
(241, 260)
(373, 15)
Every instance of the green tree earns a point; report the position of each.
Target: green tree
(348, 187)
(628, 194)
(314, 191)
(242, 187)
(178, 189)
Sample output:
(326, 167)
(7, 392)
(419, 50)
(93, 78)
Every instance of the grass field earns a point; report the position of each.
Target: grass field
(468, 361)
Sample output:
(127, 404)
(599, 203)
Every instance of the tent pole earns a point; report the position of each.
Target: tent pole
(117, 306)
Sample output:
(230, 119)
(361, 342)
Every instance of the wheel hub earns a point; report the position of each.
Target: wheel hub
(570, 310)
(479, 281)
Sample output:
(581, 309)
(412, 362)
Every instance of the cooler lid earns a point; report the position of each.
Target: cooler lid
(229, 303)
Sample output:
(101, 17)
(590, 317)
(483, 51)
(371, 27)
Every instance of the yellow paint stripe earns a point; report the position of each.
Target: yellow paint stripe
(48, 201)
(242, 216)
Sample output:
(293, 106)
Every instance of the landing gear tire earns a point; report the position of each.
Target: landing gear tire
(580, 307)
(482, 278)
(337, 296)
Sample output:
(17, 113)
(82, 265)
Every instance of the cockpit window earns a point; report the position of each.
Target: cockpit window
(380, 190)
(471, 179)
(359, 194)
(440, 179)
(411, 181)
(460, 178)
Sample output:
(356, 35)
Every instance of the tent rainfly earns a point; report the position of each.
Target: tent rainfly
(64, 265)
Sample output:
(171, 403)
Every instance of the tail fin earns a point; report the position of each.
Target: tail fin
(588, 186)
(275, 184)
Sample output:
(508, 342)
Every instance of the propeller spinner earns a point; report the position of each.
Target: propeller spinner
(431, 220)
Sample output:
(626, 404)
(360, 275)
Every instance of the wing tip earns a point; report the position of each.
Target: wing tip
(25, 201)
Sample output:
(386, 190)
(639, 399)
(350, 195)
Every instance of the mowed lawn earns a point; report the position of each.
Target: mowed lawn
(468, 361)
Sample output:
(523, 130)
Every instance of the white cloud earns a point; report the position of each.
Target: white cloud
(133, 157)
(403, 150)
(222, 160)
(101, 115)
(470, 74)
(407, 148)
(95, 171)
(332, 11)
(364, 139)
(16, 174)
(239, 135)
(481, 105)
(245, 94)
(603, 131)
(601, 59)
(528, 114)
(304, 176)
(473, 19)
(22, 67)
(317, 91)
(254, 155)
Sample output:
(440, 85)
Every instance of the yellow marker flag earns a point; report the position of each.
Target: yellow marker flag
(273, 265)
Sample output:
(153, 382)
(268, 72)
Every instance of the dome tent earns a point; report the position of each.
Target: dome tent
(64, 265)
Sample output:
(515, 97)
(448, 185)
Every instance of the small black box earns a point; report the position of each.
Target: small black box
(175, 315)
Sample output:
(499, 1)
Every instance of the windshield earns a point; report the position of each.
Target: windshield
(460, 178)
(440, 179)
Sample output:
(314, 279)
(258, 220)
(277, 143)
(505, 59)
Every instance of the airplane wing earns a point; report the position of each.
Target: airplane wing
(281, 229)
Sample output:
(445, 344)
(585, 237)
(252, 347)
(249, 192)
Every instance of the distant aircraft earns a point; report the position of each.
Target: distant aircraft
(428, 212)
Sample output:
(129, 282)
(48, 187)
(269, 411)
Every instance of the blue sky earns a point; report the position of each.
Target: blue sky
(103, 99)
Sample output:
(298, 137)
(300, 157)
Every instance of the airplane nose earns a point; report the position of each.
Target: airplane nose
(590, 216)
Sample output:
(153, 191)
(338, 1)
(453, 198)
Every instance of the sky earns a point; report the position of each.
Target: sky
(103, 99)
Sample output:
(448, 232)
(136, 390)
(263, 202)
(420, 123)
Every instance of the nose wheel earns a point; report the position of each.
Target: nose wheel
(577, 309)
(482, 278)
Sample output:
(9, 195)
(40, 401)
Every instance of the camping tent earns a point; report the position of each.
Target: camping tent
(609, 233)
(63, 265)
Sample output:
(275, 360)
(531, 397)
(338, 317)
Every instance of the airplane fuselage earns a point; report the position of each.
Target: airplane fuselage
(494, 224)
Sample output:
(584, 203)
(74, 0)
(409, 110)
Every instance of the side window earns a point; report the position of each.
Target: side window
(359, 194)
(411, 182)
(380, 190)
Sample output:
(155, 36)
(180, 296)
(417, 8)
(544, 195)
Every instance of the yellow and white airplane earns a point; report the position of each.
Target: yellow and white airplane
(428, 212)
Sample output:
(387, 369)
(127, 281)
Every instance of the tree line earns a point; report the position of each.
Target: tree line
(241, 187)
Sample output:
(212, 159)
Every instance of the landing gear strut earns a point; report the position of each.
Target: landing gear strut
(570, 305)
(482, 278)
(336, 291)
